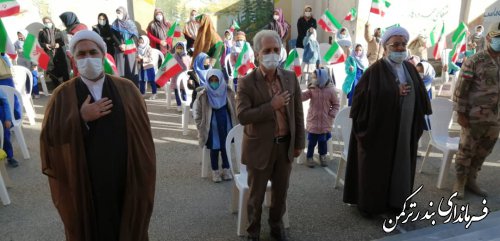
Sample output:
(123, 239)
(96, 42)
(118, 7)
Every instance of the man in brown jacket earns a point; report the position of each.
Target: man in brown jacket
(269, 106)
(375, 51)
(97, 150)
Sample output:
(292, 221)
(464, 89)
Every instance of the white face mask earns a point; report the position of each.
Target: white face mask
(159, 17)
(307, 14)
(270, 61)
(102, 22)
(421, 75)
(90, 68)
(119, 16)
(48, 25)
(276, 17)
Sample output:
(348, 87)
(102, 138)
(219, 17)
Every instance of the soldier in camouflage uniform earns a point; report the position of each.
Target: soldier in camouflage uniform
(477, 102)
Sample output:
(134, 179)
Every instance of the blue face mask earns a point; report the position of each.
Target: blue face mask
(495, 44)
(214, 85)
(398, 57)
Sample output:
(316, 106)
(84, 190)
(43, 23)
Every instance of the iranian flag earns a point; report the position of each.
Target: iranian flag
(438, 42)
(8, 8)
(459, 42)
(167, 70)
(109, 65)
(378, 7)
(293, 62)
(234, 26)
(351, 15)
(335, 54)
(35, 53)
(130, 47)
(174, 31)
(244, 62)
(6, 45)
(328, 22)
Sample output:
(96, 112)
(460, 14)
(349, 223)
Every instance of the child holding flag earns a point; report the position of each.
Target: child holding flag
(323, 108)
(215, 115)
(146, 60)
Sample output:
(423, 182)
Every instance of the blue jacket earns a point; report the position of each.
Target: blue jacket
(4, 108)
(311, 51)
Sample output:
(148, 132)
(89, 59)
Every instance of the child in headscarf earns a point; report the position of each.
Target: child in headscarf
(146, 60)
(311, 48)
(241, 41)
(215, 115)
(355, 65)
(476, 40)
(323, 108)
(427, 73)
(185, 61)
(197, 77)
(344, 40)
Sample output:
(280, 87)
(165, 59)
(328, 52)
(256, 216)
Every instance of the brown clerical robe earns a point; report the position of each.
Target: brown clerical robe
(120, 174)
(376, 114)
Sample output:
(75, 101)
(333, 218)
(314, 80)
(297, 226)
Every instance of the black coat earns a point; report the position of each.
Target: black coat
(302, 26)
(375, 114)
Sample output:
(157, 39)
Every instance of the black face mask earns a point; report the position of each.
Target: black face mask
(206, 66)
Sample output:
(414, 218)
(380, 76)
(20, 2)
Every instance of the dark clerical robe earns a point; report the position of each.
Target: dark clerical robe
(101, 173)
(375, 159)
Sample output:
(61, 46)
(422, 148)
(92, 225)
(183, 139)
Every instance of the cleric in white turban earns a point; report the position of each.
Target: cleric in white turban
(388, 109)
(97, 150)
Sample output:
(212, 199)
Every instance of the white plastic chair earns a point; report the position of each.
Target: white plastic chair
(19, 76)
(305, 109)
(342, 126)
(4, 195)
(186, 109)
(17, 124)
(440, 120)
(241, 190)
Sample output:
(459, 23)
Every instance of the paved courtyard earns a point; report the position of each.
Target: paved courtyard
(188, 207)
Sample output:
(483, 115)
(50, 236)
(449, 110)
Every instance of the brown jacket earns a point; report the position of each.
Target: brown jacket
(253, 105)
(203, 114)
(62, 151)
(373, 47)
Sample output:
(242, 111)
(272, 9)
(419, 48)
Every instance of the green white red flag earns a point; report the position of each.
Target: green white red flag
(6, 45)
(459, 42)
(329, 23)
(174, 31)
(244, 62)
(438, 41)
(33, 52)
(292, 62)
(9, 8)
(109, 65)
(130, 47)
(168, 69)
(379, 7)
(335, 54)
(351, 15)
(234, 26)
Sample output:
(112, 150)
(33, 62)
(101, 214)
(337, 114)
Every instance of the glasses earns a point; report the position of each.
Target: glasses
(397, 45)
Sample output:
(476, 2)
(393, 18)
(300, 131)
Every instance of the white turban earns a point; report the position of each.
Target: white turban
(393, 31)
(87, 35)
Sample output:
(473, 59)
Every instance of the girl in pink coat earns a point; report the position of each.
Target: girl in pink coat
(323, 108)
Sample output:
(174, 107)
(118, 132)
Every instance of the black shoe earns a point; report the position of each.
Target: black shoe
(279, 235)
(12, 162)
(250, 238)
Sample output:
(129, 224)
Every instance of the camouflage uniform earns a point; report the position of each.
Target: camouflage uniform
(477, 95)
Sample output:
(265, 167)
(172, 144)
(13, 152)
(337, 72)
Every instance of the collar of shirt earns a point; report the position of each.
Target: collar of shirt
(398, 71)
(95, 87)
(265, 75)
